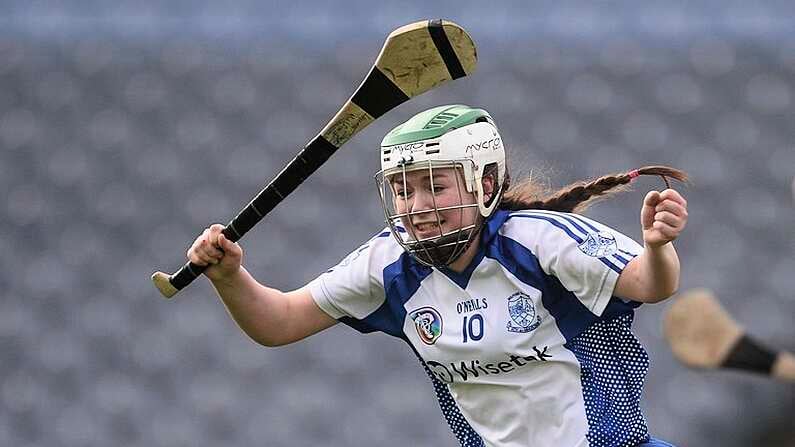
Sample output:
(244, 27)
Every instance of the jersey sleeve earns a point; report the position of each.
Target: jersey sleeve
(352, 288)
(584, 255)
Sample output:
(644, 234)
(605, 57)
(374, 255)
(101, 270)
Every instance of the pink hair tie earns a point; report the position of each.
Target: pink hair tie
(632, 174)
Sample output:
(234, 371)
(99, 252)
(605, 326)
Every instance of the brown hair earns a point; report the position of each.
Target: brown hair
(576, 197)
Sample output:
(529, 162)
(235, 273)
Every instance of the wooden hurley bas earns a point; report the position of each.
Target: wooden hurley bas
(703, 335)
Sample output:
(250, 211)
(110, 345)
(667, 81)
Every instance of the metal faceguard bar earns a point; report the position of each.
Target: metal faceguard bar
(426, 250)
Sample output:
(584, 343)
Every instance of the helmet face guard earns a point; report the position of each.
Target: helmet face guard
(442, 247)
(449, 137)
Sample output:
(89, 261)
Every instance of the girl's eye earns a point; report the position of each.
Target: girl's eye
(439, 188)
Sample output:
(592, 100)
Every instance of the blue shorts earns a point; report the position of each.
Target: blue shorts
(655, 443)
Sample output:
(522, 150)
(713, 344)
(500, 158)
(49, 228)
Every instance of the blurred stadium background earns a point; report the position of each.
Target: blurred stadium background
(126, 127)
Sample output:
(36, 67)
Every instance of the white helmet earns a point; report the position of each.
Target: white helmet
(455, 136)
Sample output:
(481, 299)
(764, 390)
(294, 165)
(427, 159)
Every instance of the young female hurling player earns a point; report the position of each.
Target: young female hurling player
(518, 307)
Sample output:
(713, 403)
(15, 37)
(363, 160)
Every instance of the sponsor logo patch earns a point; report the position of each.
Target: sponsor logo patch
(464, 371)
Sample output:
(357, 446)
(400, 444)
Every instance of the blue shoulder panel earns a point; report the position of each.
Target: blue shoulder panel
(402, 279)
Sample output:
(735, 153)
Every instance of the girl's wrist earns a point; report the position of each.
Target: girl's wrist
(227, 280)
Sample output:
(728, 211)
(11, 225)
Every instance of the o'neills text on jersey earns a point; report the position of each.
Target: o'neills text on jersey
(471, 305)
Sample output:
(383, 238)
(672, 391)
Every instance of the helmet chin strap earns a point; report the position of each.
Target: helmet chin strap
(445, 250)
(442, 251)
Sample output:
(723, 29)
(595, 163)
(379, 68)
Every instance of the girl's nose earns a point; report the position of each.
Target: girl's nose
(422, 201)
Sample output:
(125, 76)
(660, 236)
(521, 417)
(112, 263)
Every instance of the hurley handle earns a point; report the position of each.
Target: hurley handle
(299, 169)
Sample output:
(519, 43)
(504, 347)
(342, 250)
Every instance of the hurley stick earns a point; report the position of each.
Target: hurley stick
(415, 58)
(703, 335)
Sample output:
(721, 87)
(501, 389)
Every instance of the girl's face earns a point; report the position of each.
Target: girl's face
(420, 195)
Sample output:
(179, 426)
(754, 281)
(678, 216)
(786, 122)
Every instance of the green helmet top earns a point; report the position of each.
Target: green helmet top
(434, 123)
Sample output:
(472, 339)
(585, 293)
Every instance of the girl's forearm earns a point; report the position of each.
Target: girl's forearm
(259, 311)
(659, 271)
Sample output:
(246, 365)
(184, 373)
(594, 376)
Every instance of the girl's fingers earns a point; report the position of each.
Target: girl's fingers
(201, 259)
(215, 231)
(671, 206)
(204, 251)
(230, 248)
(668, 218)
(672, 194)
(652, 198)
(226, 245)
(668, 231)
(210, 250)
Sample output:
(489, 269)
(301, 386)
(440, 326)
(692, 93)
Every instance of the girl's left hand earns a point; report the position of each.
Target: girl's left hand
(662, 217)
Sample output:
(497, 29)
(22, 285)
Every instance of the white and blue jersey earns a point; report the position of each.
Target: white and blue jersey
(527, 346)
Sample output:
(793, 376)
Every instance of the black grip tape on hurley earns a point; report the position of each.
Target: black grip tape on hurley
(748, 355)
(299, 169)
(445, 49)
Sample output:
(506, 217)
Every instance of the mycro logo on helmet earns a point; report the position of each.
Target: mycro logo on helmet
(492, 144)
(407, 147)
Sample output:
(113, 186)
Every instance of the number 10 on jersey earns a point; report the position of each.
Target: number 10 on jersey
(473, 327)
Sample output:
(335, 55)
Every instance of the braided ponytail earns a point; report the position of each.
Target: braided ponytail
(578, 196)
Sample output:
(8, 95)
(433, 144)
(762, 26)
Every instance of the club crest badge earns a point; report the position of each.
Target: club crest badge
(522, 311)
(428, 323)
(599, 244)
